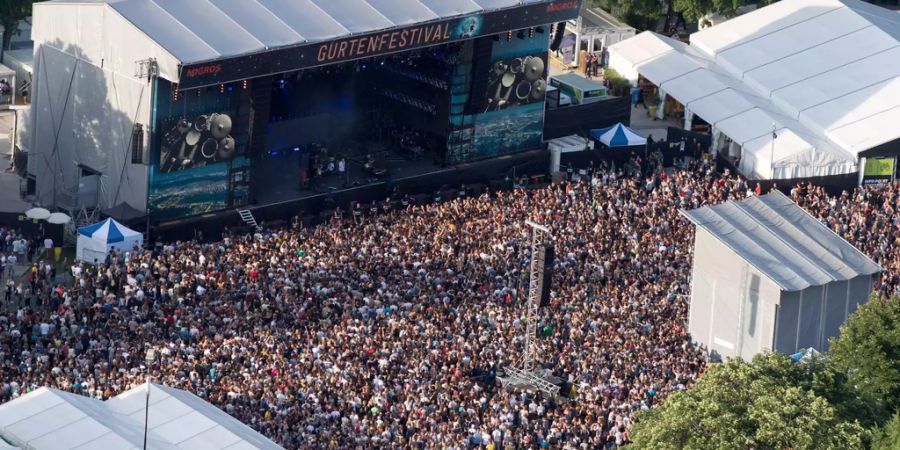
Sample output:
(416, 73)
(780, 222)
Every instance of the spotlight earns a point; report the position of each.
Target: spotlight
(246, 84)
(531, 32)
(296, 149)
(221, 88)
(508, 36)
(382, 62)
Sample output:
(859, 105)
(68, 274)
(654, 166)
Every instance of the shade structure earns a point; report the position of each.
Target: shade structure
(59, 218)
(37, 213)
(96, 241)
(618, 135)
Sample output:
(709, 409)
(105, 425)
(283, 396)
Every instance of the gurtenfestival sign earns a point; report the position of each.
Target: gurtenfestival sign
(378, 43)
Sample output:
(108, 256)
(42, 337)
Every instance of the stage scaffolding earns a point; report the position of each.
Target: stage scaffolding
(528, 375)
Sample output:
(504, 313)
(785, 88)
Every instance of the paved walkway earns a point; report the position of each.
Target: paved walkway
(9, 181)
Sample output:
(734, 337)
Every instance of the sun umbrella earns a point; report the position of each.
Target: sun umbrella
(59, 218)
(37, 213)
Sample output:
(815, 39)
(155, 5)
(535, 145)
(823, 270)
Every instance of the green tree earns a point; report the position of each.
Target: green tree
(11, 13)
(693, 10)
(769, 403)
(641, 14)
(868, 350)
(888, 436)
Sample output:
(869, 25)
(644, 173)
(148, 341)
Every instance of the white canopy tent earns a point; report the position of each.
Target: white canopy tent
(823, 71)
(95, 241)
(49, 419)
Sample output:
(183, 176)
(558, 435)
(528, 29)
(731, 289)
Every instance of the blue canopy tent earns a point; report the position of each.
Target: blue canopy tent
(618, 143)
(95, 241)
(618, 135)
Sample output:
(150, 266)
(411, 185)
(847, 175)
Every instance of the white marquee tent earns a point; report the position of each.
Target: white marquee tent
(177, 420)
(95, 241)
(824, 73)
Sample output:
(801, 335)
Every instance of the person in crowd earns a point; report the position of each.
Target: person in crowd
(391, 332)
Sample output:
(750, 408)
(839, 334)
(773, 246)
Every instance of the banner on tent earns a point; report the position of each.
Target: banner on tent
(879, 170)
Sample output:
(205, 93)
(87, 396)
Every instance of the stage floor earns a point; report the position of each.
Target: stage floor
(279, 176)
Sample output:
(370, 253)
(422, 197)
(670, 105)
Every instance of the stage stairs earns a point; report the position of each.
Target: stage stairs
(248, 218)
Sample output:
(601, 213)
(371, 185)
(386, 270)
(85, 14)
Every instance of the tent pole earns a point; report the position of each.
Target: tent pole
(146, 412)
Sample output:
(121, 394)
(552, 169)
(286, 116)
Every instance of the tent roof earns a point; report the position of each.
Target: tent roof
(827, 69)
(187, 420)
(109, 230)
(177, 420)
(618, 135)
(46, 417)
(785, 243)
(204, 30)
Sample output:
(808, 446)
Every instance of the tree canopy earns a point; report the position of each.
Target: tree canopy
(868, 350)
(11, 13)
(771, 402)
(888, 436)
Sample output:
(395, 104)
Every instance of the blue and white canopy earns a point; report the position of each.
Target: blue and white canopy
(95, 241)
(108, 231)
(618, 135)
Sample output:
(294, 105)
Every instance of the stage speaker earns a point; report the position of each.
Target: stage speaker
(549, 257)
(482, 49)
(558, 37)
(137, 144)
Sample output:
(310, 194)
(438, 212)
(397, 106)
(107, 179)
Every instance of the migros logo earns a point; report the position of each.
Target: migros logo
(211, 69)
(556, 7)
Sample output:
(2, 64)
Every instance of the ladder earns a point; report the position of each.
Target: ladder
(248, 218)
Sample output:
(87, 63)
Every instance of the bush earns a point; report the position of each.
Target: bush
(618, 85)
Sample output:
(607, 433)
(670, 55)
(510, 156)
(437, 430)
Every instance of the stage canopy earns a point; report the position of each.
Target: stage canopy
(826, 72)
(95, 241)
(189, 35)
(618, 135)
(178, 420)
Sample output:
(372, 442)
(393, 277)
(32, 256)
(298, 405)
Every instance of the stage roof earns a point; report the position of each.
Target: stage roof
(828, 70)
(208, 42)
(780, 239)
(206, 30)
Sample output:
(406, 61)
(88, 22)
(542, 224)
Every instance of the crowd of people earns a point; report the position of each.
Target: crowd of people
(390, 332)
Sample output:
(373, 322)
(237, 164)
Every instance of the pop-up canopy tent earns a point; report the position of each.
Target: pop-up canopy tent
(618, 135)
(95, 241)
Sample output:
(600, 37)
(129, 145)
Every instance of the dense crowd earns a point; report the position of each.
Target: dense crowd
(389, 333)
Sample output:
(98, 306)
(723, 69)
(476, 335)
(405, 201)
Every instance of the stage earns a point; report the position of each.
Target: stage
(421, 184)
(279, 181)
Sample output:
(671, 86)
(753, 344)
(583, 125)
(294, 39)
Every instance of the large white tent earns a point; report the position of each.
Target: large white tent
(176, 420)
(825, 74)
(767, 276)
(95, 241)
